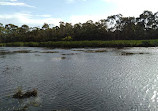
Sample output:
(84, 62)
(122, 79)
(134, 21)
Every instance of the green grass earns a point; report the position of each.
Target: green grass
(83, 44)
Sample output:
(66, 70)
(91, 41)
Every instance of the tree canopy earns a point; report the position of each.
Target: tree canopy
(115, 27)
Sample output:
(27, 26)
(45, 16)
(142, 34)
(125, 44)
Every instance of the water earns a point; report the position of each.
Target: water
(80, 79)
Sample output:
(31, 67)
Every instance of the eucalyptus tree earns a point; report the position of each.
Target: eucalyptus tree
(77, 31)
(2, 33)
(146, 23)
(69, 29)
(12, 33)
(127, 27)
(45, 26)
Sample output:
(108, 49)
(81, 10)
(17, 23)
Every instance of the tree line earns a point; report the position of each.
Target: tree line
(115, 27)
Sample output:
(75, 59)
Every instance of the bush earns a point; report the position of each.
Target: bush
(155, 43)
(145, 43)
(68, 38)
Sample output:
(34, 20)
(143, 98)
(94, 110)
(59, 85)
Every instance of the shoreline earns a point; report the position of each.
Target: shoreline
(85, 44)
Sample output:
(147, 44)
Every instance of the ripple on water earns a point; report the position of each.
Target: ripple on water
(88, 81)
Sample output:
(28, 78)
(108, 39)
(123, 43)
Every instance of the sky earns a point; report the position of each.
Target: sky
(37, 12)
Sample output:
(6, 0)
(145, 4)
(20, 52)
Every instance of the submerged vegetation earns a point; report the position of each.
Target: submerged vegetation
(131, 53)
(27, 100)
(20, 95)
(114, 31)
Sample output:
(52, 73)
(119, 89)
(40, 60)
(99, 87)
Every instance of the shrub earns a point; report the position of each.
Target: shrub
(145, 43)
(68, 38)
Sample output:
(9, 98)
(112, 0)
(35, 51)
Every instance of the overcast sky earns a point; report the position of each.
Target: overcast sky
(38, 12)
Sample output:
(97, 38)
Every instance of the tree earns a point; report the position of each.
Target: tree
(115, 27)
(45, 26)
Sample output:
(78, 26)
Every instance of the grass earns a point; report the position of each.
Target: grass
(83, 44)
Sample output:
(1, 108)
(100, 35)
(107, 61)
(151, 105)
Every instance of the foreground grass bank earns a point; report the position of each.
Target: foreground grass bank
(82, 44)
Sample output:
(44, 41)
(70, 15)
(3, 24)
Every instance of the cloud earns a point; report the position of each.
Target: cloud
(132, 7)
(84, 18)
(29, 19)
(14, 3)
(38, 20)
(45, 16)
(13, 0)
(71, 1)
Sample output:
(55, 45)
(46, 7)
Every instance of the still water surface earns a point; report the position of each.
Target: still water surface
(80, 79)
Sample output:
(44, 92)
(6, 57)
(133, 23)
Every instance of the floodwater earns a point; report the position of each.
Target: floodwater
(101, 79)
